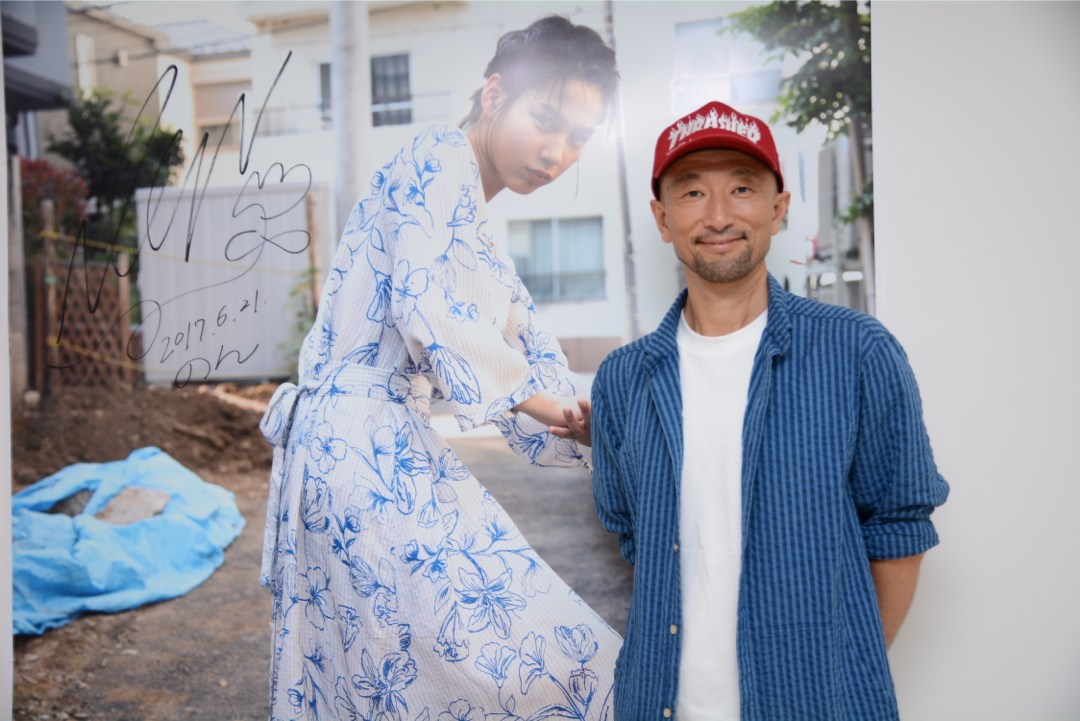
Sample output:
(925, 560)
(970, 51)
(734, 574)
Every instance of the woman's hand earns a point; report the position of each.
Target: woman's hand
(578, 425)
(565, 417)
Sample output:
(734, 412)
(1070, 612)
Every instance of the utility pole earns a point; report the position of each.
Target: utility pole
(18, 334)
(629, 272)
(350, 107)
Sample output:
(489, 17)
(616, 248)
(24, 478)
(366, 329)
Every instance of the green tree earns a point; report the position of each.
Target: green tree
(115, 156)
(831, 87)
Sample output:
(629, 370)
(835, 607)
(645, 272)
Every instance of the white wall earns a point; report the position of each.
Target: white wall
(977, 150)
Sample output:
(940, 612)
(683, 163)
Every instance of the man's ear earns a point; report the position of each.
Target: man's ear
(660, 216)
(492, 95)
(780, 209)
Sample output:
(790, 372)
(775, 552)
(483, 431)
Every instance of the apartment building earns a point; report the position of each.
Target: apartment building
(586, 246)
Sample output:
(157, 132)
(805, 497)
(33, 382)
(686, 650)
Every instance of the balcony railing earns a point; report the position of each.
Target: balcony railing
(583, 285)
(292, 119)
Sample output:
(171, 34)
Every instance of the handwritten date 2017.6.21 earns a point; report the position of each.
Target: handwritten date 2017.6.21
(198, 332)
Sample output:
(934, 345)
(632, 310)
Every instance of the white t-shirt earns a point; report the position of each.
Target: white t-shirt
(715, 379)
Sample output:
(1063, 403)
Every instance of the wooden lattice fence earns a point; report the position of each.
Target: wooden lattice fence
(82, 322)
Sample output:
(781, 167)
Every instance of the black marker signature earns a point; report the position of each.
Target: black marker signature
(244, 248)
(301, 238)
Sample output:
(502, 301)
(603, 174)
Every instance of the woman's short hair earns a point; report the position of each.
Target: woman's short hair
(550, 49)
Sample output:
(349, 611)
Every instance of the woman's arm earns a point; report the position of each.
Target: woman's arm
(567, 418)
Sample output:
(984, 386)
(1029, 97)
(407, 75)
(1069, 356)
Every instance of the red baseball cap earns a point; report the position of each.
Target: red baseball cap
(715, 125)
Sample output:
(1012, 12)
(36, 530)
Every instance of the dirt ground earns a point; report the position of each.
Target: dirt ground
(96, 424)
(161, 661)
(204, 656)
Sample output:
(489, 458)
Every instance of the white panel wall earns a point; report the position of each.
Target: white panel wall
(222, 310)
(977, 156)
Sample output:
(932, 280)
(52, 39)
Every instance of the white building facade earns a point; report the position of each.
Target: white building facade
(422, 62)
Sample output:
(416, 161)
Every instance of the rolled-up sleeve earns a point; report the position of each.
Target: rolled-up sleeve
(896, 483)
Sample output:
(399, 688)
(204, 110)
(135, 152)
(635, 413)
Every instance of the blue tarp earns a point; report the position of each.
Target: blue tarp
(66, 565)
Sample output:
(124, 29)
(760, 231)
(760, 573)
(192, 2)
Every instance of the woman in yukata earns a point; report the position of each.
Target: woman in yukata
(401, 589)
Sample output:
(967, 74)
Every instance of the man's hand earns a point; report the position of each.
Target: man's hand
(894, 581)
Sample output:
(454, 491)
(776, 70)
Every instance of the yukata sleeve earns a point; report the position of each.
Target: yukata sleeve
(447, 302)
(896, 483)
(548, 369)
(609, 488)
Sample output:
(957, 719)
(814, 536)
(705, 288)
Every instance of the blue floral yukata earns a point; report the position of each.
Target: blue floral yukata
(401, 589)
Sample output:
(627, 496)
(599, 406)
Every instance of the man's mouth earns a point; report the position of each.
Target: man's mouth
(719, 242)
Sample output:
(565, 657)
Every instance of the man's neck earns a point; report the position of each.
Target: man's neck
(714, 309)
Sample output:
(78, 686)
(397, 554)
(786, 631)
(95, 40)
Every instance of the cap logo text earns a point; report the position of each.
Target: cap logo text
(730, 122)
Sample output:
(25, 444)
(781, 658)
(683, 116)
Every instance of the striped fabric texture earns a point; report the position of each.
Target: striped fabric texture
(837, 470)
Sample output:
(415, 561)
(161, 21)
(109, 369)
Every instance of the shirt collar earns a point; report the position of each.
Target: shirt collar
(661, 344)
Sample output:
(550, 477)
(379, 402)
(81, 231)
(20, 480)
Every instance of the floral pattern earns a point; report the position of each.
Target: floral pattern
(400, 590)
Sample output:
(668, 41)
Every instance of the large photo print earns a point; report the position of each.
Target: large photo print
(235, 362)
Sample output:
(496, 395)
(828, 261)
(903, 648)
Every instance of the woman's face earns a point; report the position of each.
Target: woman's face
(540, 134)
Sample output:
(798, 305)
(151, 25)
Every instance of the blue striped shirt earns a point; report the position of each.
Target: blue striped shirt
(837, 470)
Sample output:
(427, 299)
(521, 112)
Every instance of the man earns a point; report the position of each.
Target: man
(764, 461)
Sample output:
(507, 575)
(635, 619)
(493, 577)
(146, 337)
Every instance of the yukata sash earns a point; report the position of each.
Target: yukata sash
(345, 380)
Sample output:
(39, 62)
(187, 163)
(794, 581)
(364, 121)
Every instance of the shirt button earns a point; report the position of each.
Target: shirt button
(667, 713)
(674, 629)
(675, 548)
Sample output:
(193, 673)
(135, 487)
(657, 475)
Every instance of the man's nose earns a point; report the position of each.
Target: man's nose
(717, 211)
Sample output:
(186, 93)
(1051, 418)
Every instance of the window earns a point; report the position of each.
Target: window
(324, 94)
(713, 65)
(391, 101)
(560, 258)
(214, 103)
(215, 133)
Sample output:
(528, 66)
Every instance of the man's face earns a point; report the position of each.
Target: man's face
(719, 209)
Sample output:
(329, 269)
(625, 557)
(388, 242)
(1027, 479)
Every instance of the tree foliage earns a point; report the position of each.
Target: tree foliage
(115, 156)
(832, 86)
